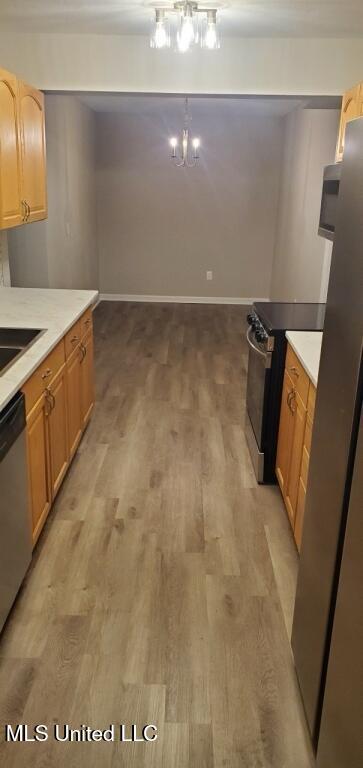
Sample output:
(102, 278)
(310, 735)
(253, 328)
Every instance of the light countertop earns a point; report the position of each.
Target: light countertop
(52, 309)
(307, 346)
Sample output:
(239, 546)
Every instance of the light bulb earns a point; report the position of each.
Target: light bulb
(173, 142)
(160, 37)
(210, 38)
(186, 34)
(196, 143)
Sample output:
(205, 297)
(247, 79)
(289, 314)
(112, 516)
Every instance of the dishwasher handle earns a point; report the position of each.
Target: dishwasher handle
(12, 423)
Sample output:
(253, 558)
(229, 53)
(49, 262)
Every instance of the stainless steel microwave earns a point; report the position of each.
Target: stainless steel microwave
(329, 200)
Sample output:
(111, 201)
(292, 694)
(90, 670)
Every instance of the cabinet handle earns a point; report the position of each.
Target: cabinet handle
(83, 350)
(294, 371)
(23, 204)
(28, 206)
(46, 374)
(87, 322)
(74, 339)
(292, 398)
(50, 398)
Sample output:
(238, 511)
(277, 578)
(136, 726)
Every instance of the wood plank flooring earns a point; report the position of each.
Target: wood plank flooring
(162, 587)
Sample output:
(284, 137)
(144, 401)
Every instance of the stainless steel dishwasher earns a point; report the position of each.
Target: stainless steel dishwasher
(15, 536)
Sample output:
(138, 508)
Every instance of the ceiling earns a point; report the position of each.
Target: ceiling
(202, 106)
(247, 18)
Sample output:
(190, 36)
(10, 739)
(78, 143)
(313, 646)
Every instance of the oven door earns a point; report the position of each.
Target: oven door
(259, 364)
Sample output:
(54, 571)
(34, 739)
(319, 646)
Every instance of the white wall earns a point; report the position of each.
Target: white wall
(61, 252)
(161, 227)
(126, 63)
(301, 264)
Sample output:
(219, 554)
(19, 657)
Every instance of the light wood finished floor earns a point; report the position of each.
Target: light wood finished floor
(162, 587)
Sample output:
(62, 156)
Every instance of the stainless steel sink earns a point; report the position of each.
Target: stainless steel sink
(14, 342)
(7, 356)
(18, 337)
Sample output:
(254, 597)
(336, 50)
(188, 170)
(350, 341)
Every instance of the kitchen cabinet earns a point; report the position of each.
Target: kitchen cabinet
(294, 440)
(40, 496)
(11, 210)
(285, 434)
(59, 398)
(87, 385)
(80, 378)
(305, 459)
(352, 107)
(23, 196)
(33, 162)
(296, 446)
(56, 395)
(74, 400)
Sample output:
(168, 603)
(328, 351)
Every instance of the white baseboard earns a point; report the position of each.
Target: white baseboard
(178, 299)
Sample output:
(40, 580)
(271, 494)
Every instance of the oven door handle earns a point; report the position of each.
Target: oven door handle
(265, 355)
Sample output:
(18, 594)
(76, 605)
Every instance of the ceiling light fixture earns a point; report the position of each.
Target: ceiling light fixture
(188, 29)
(185, 158)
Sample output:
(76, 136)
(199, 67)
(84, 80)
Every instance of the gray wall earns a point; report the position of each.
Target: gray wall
(4, 260)
(61, 252)
(301, 256)
(162, 227)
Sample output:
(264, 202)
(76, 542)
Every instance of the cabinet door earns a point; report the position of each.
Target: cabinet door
(292, 488)
(11, 211)
(351, 108)
(87, 378)
(58, 429)
(38, 465)
(285, 434)
(75, 419)
(300, 512)
(34, 188)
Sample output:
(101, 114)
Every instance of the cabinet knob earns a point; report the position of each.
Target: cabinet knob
(46, 374)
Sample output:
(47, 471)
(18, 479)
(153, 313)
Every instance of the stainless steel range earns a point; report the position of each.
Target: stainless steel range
(267, 325)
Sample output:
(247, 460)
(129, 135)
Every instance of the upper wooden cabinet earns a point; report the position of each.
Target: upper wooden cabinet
(23, 196)
(11, 211)
(352, 108)
(33, 163)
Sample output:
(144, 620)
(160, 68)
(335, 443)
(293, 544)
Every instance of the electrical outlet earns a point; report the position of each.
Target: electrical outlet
(209, 275)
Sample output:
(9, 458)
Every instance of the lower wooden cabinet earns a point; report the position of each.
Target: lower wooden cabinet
(87, 379)
(56, 396)
(285, 434)
(59, 400)
(298, 431)
(293, 449)
(75, 419)
(40, 495)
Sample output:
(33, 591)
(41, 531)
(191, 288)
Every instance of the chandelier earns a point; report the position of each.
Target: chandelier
(190, 31)
(185, 157)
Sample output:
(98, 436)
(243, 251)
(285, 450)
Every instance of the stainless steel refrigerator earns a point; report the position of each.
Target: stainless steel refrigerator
(327, 636)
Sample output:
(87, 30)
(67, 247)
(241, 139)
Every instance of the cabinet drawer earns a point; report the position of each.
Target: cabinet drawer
(72, 338)
(42, 377)
(86, 321)
(298, 374)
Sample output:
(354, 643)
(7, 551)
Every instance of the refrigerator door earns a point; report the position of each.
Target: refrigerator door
(333, 436)
(341, 734)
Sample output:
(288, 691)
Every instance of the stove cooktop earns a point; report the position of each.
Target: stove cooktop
(285, 316)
